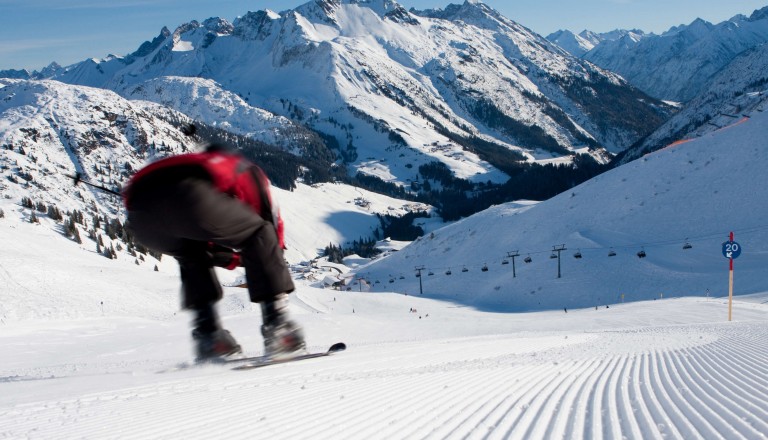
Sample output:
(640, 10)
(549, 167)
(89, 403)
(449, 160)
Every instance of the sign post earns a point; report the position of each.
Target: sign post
(731, 251)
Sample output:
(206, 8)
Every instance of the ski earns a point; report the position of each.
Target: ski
(261, 361)
(251, 362)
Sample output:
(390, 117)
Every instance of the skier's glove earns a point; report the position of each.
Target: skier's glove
(223, 257)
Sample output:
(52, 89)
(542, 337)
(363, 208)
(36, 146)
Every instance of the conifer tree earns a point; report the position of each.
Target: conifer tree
(76, 236)
(54, 213)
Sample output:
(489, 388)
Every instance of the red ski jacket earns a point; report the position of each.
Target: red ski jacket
(231, 174)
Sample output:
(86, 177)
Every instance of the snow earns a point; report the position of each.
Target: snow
(696, 192)
(204, 100)
(669, 368)
(183, 46)
(85, 338)
(339, 214)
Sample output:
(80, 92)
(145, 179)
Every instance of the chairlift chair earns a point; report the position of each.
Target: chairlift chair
(641, 254)
(687, 245)
(448, 272)
(577, 254)
(430, 273)
(485, 268)
(527, 259)
(504, 262)
(465, 269)
(553, 256)
(611, 253)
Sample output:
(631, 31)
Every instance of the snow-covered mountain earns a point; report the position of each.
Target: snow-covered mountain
(739, 89)
(575, 44)
(204, 100)
(581, 43)
(678, 64)
(49, 130)
(461, 86)
(692, 193)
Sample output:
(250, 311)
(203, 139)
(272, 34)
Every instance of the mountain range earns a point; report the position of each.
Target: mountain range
(462, 86)
(739, 89)
(676, 65)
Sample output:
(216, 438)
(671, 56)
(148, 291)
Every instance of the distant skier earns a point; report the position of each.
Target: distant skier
(200, 208)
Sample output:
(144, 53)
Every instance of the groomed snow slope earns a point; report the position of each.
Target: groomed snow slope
(671, 368)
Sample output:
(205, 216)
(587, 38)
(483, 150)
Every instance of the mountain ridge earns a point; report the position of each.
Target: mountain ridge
(684, 58)
(475, 79)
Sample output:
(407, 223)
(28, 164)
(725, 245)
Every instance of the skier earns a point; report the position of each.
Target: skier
(214, 208)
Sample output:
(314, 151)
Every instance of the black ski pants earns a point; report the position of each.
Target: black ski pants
(180, 216)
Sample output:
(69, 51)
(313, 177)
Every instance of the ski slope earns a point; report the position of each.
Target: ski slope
(86, 364)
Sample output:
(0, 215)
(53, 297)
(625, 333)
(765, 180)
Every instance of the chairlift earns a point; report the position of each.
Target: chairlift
(430, 273)
(378, 282)
(465, 269)
(448, 272)
(577, 254)
(611, 253)
(418, 274)
(402, 277)
(687, 245)
(553, 256)
(641, 254)
(391, 280)
(527, 259)
(504, 262)
(485, 268)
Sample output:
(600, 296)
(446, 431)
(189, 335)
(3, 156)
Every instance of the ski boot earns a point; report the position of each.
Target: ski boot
(210, 347)
(283, 338)
(211, 341)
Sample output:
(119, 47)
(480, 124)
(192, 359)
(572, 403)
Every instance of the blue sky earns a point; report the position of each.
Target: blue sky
(36, 32)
